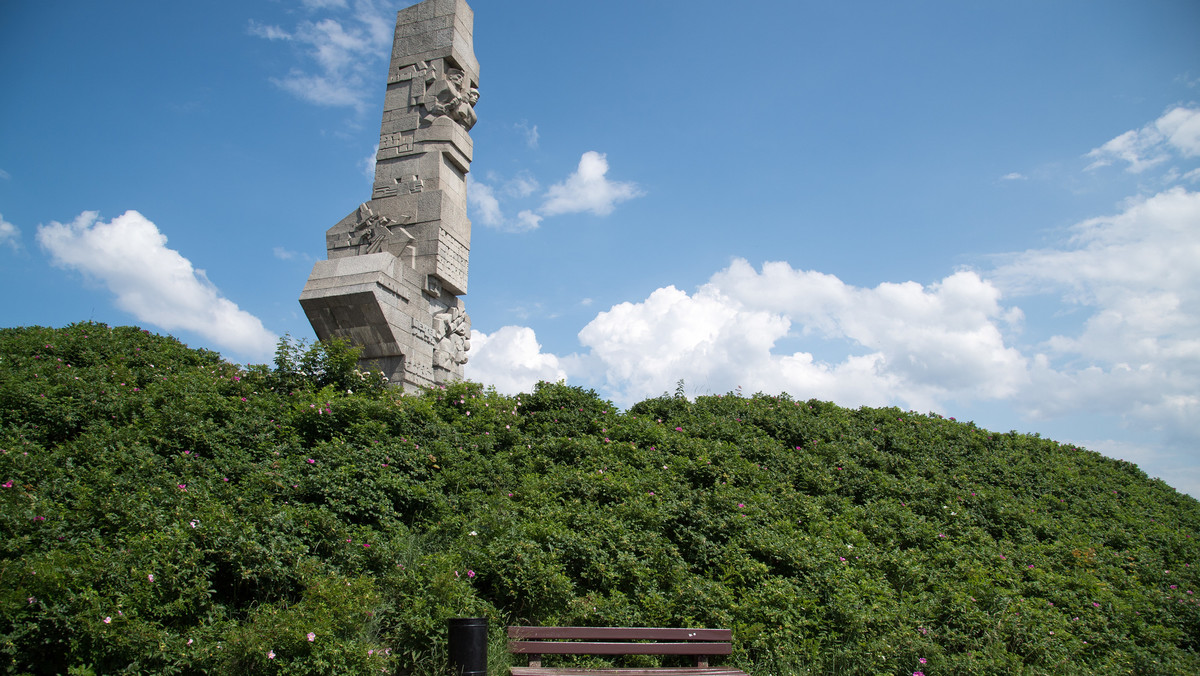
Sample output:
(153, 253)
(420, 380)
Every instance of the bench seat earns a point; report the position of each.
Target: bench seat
(700, 644)
(649, 671)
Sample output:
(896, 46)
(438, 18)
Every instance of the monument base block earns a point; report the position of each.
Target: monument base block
(405, 329)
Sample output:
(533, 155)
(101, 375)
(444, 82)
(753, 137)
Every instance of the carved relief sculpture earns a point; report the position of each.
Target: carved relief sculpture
(397, 265)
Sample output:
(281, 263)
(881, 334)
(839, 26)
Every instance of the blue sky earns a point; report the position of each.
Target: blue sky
(990, 210)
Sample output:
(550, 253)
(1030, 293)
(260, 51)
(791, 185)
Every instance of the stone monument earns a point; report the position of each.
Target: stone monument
(398, 263)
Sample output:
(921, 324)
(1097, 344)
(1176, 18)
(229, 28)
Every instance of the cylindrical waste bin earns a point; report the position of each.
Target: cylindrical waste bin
(468, 646)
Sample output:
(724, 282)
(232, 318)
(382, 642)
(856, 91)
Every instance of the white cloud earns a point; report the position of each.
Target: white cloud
(512, 360)
(527, 220)
(904, 342)
(368, 163)
(268, 32)
(5, 175)
(1176, 132)
(9, 234)
(345, 50)
(588, 190)
(1013, 176)
(155, 284)
(1181, 127)
(1137, 354)
(482, 200)
(521, 185)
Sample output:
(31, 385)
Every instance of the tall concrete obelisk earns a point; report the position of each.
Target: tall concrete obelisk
(398, 263)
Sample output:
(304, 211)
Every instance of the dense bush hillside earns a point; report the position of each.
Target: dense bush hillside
(162, 511)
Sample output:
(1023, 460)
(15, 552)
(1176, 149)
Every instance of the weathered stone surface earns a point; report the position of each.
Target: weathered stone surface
(398, 263)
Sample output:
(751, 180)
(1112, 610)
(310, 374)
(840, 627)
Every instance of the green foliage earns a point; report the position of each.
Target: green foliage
(162, 511)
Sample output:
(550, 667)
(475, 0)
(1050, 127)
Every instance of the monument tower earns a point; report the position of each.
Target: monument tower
(398, 263)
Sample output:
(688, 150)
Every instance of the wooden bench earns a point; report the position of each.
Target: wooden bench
(698, 643)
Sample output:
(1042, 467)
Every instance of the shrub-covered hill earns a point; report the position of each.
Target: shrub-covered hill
(162, 511)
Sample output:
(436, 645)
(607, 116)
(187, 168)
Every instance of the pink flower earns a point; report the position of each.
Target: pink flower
(741, 505)
(189, 641)
(270, 654)
(918, 673)
(678, 429)
(107, 620)
(150, 577)
(8, 484)
(183, 487)
(922, 660)
(311, 461)
(311, 637)
(470, 573)
(1097, 605)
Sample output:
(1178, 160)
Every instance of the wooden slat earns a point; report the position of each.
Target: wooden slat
(660, 671)
(620, 633)
(597, 648)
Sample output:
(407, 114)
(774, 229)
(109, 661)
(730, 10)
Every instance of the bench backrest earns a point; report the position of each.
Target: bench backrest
(537, 641)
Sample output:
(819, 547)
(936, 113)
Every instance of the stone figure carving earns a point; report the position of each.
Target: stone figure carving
(447, 95)
(397, 265)
(453, 332)
(374, 233)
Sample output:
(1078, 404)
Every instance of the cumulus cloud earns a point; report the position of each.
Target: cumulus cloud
(1136, 276)
(512, 360)
(9, 234)
(343, 51)
(587, 189)
(1177, 132)
(155, 284)
(903, 342)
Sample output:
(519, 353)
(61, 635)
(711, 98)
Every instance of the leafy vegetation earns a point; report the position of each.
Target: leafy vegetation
(162, 511)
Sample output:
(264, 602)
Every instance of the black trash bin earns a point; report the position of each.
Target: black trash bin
(468, 646)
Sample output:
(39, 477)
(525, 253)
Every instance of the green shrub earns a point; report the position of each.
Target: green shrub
(162, 511)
